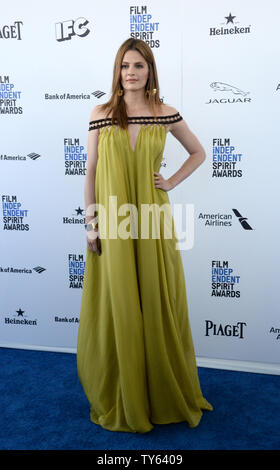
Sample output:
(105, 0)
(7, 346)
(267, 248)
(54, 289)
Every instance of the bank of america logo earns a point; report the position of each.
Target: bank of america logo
(98, 93)
(242, 220)
(33, 155)
(39, 269)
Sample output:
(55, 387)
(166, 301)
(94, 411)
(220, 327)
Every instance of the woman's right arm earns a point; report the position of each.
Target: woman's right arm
(89, 187)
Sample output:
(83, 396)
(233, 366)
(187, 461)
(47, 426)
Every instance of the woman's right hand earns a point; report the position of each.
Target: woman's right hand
(93, 241)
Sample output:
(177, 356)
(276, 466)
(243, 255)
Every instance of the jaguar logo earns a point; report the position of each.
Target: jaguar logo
(220, 86)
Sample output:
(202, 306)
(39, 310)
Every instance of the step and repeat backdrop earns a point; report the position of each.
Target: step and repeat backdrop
(218, 66)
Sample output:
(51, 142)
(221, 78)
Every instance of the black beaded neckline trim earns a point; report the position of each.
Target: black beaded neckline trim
(136, 120)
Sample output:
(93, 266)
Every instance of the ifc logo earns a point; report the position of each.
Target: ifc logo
(66, 29)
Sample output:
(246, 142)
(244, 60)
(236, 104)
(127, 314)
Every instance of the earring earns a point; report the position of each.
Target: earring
(154, 91)
(120, 92)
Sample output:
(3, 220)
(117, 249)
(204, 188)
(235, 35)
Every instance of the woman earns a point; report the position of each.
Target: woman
(135, 353)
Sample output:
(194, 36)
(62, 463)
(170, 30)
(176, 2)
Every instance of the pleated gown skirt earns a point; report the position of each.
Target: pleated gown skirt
(135, 354)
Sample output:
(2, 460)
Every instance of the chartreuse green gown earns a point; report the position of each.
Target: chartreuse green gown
(135, 354)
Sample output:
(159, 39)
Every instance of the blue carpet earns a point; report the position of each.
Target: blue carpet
(43, 407)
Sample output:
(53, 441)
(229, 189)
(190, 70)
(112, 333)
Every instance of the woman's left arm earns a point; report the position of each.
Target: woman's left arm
(197, 155)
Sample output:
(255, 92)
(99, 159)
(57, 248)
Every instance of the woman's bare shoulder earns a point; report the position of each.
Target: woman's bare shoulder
(98, 119)
(98, 113)
(167, 110)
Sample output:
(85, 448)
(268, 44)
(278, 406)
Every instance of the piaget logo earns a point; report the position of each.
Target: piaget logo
(237, 330)
(12, 31)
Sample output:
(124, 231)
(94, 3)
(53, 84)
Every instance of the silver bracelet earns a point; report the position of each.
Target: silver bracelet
(90, 227)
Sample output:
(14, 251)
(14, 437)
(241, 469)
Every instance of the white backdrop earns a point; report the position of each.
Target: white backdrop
(218, 65)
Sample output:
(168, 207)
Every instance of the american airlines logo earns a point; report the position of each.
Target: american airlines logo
(242, 220)
(223, 219)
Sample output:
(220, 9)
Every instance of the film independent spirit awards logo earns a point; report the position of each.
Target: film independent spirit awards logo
(143, 25)
(10, 96)
(226, 159)
(225, 282)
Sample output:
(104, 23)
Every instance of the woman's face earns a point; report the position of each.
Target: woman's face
(135, 67)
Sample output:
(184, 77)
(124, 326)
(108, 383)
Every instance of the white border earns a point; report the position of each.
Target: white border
(240, 366)
(35, 347)
(211, 363)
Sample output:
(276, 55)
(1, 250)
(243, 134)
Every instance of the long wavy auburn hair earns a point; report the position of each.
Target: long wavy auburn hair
(116, 103)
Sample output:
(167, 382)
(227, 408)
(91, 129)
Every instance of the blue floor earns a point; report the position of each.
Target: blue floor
(43, 407)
